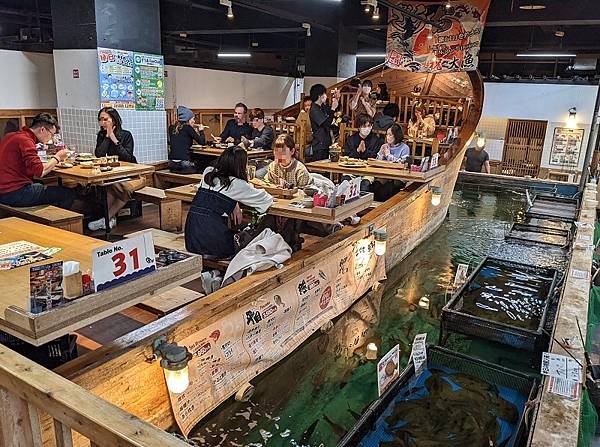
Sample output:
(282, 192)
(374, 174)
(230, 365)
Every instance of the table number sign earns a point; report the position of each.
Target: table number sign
(354, 190)
(123, 261)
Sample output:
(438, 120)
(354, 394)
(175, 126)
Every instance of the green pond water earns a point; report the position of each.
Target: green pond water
(314, 396)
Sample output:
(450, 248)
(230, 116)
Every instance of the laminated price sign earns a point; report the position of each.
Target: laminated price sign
(419, 353)
(123, 261)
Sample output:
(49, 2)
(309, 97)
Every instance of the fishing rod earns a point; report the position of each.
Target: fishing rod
(562, 346)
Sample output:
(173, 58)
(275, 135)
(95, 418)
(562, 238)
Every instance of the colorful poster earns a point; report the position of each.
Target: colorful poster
(432, 37)
(566, 146)
(116, 78)
(131, 80)
(149, 72)
(232, 351)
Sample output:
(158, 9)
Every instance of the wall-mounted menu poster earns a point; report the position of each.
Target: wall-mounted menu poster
(566, 146)
(130, 80)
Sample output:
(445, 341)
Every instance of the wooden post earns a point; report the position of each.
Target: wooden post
(16, 421)
(170, 215)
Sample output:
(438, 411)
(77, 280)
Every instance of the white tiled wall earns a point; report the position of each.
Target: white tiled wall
(79, 128)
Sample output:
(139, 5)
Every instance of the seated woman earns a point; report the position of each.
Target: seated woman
(394, 149)
(286, 169)
(113, 140)
(262, 135)
(421, 125)
(364, 143)
(181, 136)
(207, 230)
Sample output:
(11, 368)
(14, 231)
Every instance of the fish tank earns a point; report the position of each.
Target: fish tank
(540, 235)
(553, 207)
(456, 401)
(503, 301)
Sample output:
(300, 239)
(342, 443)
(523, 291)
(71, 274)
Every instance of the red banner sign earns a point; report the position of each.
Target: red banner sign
(435, 37)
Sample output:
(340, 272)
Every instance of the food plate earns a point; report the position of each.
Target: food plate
(352, 164)
(105, 169)
(63, 165)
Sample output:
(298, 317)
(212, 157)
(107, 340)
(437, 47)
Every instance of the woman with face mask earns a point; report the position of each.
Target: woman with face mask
(365, 143)
(362, 101)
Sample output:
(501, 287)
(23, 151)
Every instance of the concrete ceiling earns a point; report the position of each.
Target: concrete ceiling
(194, 30)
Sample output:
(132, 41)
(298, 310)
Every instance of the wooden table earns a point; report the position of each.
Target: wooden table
(216, 152)
(93, 177)
(372, 171)
(46, 326)
(90, 177)
(284, 207)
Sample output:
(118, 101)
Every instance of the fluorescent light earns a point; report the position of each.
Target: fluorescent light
(546, 55)
(234, 55)
(532, 7)
(371, 55)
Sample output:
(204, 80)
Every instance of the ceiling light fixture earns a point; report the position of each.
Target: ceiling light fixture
(307, 27)
(234, 55)
(448, 5)
(369, 4)
(229, 13)
(532, 7)
(560, 55)
(376, 13)
(559, 33)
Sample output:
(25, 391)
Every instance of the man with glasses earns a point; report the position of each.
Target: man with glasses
(20, 165)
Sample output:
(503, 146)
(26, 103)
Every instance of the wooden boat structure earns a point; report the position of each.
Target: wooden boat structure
(116, 396)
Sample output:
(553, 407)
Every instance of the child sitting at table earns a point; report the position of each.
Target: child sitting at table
(214, 212)
(286, 170)
(394, 149)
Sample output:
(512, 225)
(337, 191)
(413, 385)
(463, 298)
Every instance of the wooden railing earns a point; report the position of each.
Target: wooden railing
(29, 394)
(19, 117)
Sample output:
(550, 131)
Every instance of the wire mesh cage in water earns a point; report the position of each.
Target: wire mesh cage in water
(457, 401)
(546, 206)
(502, 301)
(538, 235)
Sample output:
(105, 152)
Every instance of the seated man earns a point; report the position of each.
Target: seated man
(364, 143)
(236, 127)
(20, 165)
(262, 135)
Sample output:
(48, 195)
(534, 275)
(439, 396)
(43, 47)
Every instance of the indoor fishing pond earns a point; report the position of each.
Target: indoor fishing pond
(315, 395)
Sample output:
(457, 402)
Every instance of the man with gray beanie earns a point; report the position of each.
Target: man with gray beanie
(181, 137)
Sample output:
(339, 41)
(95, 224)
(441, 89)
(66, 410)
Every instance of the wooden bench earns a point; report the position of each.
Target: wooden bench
(50, 215)
(165, 179)
(215, 264)
(169, 209)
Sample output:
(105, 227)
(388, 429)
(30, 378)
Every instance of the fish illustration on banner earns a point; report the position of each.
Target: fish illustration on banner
(435, 37)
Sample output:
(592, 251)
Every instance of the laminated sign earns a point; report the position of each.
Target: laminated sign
(419, 353)
(431, 37)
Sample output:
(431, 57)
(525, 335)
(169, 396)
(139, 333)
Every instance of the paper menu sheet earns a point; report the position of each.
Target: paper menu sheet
(560, 366)
(15, 248)
(565, 388)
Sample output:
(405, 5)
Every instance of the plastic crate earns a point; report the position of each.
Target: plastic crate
(453, 319)
(517, 228)
(545, 206)
(50, 355)
(438, 356)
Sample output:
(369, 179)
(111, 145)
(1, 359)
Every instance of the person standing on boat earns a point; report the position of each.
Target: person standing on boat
(215, 213)
(364, 143)
(321, 116)
(362, 102)
(477, 159)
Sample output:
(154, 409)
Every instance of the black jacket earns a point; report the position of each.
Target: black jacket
(263, 138)
(320, 120)
(372, 144)
(236, 132)
(182, 141)
(105, 146)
